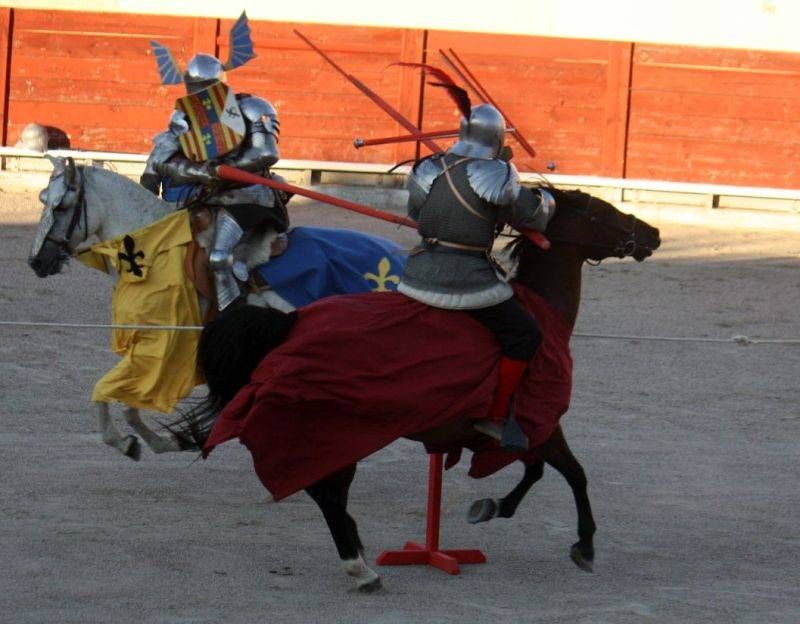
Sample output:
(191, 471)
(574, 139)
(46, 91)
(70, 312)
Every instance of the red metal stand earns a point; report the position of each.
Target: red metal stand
(429, 553)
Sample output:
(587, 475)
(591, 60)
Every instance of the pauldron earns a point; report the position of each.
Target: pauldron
(495, 181)
(421, 179)
(259, 150)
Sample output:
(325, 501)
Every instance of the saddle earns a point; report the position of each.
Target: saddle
(195, 265)
(196, 262)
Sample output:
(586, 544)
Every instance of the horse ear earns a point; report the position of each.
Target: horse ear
(58, 162)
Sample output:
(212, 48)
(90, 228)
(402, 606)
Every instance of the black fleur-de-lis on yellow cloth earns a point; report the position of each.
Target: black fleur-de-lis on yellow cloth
(131, 255)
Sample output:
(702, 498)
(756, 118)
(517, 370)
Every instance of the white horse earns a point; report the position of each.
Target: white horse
(84, 205)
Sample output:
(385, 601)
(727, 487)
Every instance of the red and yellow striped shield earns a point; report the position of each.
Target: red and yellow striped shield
(216, 125)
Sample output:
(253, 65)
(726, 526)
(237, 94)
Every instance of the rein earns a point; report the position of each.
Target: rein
(79, 208)
(626, 246)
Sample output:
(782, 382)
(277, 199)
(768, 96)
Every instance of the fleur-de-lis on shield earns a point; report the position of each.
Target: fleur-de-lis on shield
(383, 277)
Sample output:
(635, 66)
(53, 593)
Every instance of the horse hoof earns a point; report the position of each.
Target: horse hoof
(482, 510)
(133, 448)
(371, 587)
(584, 562)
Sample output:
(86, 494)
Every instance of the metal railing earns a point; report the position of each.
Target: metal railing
(711, 193)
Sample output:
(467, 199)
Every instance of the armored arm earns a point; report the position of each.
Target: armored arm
(165, 146)
(181, 170)
(533, 209)
(259, 149)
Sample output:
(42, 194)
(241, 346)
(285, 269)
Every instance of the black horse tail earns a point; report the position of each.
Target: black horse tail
(230, 348)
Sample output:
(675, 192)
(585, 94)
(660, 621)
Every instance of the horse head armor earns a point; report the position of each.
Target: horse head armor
(60, 194)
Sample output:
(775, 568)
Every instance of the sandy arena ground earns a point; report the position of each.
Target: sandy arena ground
(691, 452)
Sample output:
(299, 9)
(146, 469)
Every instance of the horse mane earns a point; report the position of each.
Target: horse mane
(230, 348)
(521, 252)
(122, 189)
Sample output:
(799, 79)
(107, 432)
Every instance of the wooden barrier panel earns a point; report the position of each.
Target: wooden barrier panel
(93, 76)
(613, 109)
(566, 96)
(319, 110)
(5, 49)
(715, 115)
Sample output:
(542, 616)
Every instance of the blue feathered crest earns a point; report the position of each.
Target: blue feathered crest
(167, 67)
(240, 43)
(241, 51)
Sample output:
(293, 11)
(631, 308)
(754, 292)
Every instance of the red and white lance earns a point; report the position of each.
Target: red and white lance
(226, 172)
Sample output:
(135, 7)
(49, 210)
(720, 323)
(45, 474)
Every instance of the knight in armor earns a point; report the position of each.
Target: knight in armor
(212, 126)
(461, 199)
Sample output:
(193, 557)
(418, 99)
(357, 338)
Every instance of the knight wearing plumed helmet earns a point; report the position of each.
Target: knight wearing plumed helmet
(461, 198)
(211, 126)
(481, 134)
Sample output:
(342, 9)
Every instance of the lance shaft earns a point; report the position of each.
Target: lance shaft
(440, 134)
(377, 99)
(435, 134)
(226, 172)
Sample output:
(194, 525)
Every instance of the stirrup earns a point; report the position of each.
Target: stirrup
(491, 428)
(514, 438)
(508, 433)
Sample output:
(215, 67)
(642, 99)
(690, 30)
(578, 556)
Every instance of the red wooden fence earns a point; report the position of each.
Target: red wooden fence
(589, 107)
(710, 115)
(6, 34)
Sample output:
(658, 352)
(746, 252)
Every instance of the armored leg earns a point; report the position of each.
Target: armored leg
(226, 235)
(519, 336)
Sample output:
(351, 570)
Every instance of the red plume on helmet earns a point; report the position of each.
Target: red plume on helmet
(459, 95)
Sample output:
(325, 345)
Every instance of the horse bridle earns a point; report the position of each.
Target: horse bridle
(626, 246)
(79, 207)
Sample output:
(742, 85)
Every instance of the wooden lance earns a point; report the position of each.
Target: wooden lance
(383, 104)
(226, 172)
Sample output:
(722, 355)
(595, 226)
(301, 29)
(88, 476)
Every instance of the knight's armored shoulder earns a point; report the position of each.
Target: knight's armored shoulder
(495, 181)
(255, 108)
(421, 178)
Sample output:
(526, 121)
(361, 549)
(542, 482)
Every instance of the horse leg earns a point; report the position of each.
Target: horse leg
(330, 494)
(488, 508)
(152, 439)
(557, 453)
(127, 445)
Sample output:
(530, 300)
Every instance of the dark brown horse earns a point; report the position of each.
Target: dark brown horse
(233, 349)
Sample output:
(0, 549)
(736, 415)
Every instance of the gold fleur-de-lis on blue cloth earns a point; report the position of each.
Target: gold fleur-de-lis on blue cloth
(383, 277)
(207, 103)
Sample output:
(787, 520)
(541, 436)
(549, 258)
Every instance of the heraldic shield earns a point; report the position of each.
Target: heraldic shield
(216, 125)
